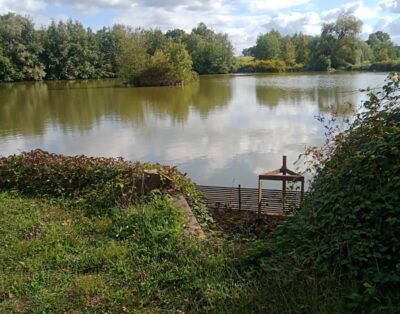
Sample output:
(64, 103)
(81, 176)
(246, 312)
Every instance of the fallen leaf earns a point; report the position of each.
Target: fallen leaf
(68, 222)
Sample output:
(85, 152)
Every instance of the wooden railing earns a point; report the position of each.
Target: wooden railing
(239, 198)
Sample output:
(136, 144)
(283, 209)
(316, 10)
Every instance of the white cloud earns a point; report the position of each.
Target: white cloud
(93, 6)
(390, 5)
(309, 23)
(357, 8)
(243, 20)
(274, 5)
(181, 16)
(22, 6)
(391, 25)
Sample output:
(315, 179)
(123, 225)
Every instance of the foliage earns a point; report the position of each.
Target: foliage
(385, 66)
(66, 50)
(211, 52)
(288, 51)
(133, 57)
(177, 35)
(20, 49)
(338, 46)
(268, 46)
(7, 72)
(322, 63)
(180, 62)
(153, 63)
(349, 225)
(109, 44)
(301, 44)
(263, 66)
(94, 183)
(339, 41)
(382, 46)
(137, 260)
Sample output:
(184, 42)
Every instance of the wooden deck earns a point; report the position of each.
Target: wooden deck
(273, 201)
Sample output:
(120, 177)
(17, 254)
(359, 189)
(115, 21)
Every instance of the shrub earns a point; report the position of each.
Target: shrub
(322, 63)
(260, 66)
(385, 66)
(96, 183)
(349, 225)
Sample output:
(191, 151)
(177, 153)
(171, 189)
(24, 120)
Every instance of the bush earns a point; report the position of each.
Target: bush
(260, 66)
(385, 66)
(349, 226)
(322, 63)
(96, 183)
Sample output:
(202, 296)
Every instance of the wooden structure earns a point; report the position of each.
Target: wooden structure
(246, 199)
(283, 174)
(266, 201)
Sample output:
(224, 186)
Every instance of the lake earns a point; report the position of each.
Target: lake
(223, 130)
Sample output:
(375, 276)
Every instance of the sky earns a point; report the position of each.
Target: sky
(242, 20)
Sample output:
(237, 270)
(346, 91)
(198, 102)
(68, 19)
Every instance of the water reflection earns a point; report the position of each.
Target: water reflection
(329, 92)
(223, 130)
(28, 107)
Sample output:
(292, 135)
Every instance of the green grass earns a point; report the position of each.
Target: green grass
(243, 60)
(55, 259)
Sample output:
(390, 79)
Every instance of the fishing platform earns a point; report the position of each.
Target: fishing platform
(263, 201)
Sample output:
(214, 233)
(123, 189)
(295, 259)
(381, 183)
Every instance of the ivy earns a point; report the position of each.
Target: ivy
(349, 226)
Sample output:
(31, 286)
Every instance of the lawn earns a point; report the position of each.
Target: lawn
(58, 259)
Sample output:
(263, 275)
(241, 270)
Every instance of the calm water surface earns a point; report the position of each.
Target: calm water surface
(223, 130)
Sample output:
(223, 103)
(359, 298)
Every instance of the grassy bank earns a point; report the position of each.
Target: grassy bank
(55, 259)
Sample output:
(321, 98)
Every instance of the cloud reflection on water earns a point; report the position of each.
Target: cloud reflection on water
(223, 130)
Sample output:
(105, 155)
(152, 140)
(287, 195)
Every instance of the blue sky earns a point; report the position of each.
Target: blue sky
(243, 20)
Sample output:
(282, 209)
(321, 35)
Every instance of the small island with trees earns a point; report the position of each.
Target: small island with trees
(140, 57)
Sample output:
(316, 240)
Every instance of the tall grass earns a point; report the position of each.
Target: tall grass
(54, 259)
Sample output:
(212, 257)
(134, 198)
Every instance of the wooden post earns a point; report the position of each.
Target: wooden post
(240, 197)
(302, 190)
(259, 195)
(284, 167)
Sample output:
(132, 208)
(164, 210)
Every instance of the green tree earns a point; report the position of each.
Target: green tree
(302, 43)
(177, 35)
(365, 53)
(382, 46)
(339, 41)
(6, 68)
(133, 57)
(248, 52)
(156, 40)
(179, 61)
(55, 54)
(268, 46)
(288, 51)
(21, 48)
(211, 52)
(109, 48)
(73, 52)
(320, 59)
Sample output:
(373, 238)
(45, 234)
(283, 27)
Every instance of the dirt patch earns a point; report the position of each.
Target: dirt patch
(246, 223)
(35, 232)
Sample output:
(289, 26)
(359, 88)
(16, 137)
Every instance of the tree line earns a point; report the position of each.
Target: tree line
(338, 46)
(67, 50)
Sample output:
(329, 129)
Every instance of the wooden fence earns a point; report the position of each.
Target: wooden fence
(239, 198)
